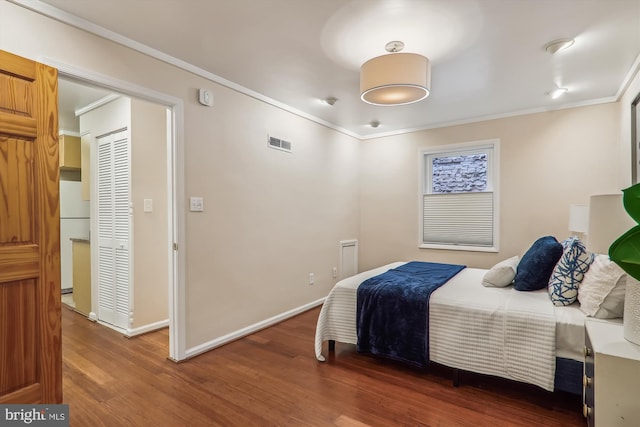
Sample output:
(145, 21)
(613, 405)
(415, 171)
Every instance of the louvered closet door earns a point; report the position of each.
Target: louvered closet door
(114, 217)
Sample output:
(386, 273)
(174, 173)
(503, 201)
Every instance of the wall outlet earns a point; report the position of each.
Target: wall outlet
(334, 272)
(311, 278)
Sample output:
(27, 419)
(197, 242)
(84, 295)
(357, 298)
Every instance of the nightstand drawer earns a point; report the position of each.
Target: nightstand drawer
(611, 382)
(588, 382)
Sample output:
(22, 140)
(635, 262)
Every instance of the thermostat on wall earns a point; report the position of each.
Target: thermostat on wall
(196, 204)
(205, 97)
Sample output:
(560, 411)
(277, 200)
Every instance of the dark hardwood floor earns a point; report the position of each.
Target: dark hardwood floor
(272, 378)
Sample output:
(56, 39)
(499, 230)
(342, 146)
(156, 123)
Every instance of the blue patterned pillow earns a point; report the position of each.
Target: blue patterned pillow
(569, 272)
(537, 264)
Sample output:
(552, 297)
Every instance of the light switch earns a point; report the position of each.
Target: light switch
(148, 205)
(196, 204)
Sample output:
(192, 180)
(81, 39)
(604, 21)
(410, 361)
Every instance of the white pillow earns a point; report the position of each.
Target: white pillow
(613, 304)
(601, 293)
(501, 274)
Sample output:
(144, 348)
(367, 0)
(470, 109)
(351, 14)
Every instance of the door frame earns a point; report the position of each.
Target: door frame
(175, 190)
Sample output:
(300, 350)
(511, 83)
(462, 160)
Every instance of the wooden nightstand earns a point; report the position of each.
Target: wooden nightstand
(611, 384)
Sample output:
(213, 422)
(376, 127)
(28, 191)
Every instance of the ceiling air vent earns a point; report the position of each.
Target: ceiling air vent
(279, 144)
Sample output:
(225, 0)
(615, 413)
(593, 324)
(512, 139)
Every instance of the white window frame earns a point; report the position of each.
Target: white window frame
(492, 148)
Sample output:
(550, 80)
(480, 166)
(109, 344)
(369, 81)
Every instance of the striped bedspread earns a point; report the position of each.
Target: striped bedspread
(494, 331)
(337, 320)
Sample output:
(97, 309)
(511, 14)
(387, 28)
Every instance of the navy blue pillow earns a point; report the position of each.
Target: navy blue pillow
(536, 265)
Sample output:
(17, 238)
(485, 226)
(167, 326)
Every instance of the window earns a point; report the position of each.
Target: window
(459, 197)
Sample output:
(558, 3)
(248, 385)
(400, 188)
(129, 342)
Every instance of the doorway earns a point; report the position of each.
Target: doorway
(100, 86)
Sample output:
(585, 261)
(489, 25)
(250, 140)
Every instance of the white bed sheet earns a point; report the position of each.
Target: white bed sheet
(337, 319)
(494, 331)
(570, 332)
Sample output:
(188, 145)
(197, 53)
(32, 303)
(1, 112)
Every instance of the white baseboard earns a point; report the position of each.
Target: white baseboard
(147, 328)
(130, 333)
(210, 345)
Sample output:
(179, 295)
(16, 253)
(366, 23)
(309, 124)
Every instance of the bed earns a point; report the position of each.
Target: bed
(516, 335)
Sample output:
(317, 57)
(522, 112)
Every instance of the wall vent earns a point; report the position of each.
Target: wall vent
(279, 144)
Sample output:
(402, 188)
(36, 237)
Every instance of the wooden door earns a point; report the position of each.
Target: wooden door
(30, 317)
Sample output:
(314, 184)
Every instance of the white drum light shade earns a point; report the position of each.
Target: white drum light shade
(395, 79)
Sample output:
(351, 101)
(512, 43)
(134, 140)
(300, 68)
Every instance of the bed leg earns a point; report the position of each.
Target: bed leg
(456, 377)
(332, 346)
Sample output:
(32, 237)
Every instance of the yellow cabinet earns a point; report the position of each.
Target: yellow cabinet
(82, 275)
(69, 152)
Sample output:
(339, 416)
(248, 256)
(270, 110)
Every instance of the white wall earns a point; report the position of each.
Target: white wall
(548, 161)
(150, 229)
(270, 217)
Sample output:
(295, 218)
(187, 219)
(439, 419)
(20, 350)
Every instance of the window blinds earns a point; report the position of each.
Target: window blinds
(458, 218)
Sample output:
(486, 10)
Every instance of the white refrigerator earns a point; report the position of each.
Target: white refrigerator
(74, 223)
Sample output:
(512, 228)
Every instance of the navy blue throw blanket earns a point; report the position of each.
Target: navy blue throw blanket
(393, 311)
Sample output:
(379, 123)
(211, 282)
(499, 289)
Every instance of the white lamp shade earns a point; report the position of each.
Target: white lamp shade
(607, 221)
(395, 79)
(578, 218)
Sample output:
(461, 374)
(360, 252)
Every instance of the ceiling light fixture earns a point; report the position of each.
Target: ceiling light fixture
(558, 92)
(395, 78)
(558, 45)
(330, 100)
